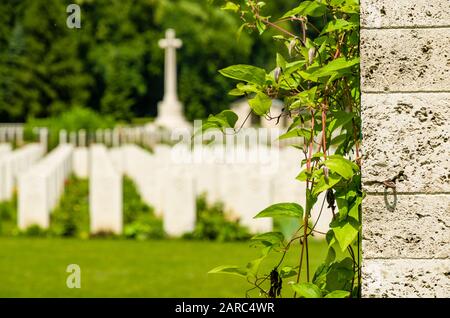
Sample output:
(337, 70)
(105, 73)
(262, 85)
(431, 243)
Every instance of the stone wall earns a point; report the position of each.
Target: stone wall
(405, 80)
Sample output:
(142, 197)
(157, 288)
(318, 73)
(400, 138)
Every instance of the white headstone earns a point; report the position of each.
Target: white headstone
(4, 149)
(107, 136)
(41, 186)
(82, 138)
(115, 138)
(246, 191)
(63, 136)
(81, 162)
(179, 211)
(14, 163)
(43, 138)
(19, 136)
(98, 136)
(73, 138)
(105, 193)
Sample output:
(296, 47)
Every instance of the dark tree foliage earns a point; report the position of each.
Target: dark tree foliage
(113, 63)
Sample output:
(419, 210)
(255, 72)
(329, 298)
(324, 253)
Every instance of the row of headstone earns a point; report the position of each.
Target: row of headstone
(105, 193)
(151, 136)
(13, 163)
(11, 133)
(170, 189)
(246, 181)
(41, 187)
(141, 135)
(170, 179)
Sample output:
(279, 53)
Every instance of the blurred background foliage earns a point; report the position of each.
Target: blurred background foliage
(113, 64)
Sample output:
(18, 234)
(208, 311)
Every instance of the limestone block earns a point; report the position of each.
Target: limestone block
(404, 13)
(406, 278)
(81, 162)
(105, 193)
(409, 133)
(418, 226)
(405, 60)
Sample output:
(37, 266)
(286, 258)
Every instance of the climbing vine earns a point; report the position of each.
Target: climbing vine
(317, 77)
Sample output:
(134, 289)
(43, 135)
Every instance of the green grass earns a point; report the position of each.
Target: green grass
(36, 267)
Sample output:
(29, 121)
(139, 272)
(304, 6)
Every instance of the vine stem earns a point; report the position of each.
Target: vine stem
(304, 242)
(324, 136)
(273, 25)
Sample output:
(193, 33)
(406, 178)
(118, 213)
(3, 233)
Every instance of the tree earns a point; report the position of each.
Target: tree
(40, 73)
(113, 64)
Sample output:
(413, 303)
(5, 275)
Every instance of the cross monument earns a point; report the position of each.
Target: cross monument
(170, 109)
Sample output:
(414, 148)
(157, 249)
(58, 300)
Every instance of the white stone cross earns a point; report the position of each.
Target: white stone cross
(170, 44)
(170, 110)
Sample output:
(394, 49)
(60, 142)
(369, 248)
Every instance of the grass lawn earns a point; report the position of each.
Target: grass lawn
(33, 267)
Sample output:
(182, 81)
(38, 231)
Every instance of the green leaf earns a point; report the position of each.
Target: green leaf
(282, 209)
(338, 25)
(336, 65)
(239, 31)
(229, 269)
(293, 67)
(345, 231)
(311, 8)
(340, 275)
(338, 140)
(305, 98)
(323, 184)
(320, 275)
(311, 199)
(260, 26)
(338, 294)
(236, 92)
(231, 6)
(303, 175)
(339, 165)
(269, 238)
(340, 118)
(354, 209)
(260, 104)
(246, 73)
(253, 266)
(288, 271)
(297, 132)
(247, 88)
(346, 6)
(307, 290)
(281, 62)
(331, 255)
(225, 119)
(331, 240)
